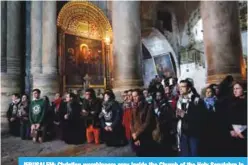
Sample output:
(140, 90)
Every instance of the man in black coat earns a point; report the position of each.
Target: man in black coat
(191, 113)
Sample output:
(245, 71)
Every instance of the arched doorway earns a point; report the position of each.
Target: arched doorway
(85, 49)
(159, 56)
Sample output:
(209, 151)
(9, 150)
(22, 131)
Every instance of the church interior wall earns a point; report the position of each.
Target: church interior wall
(186, 38)
(186, 32)
(183, 40)
(193, 39)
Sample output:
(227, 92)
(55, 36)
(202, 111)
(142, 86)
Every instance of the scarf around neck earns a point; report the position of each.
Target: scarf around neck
(57, 103)
(186, 100)
(210, 103)
(127, 105)
(107, 105)
(149, 99)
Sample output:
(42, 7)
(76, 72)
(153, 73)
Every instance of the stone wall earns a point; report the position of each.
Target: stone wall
(192, 39)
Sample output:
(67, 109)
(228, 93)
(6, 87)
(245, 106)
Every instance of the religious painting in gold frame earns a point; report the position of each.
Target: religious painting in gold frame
(84, 56)
(164, 65)
(84, 19)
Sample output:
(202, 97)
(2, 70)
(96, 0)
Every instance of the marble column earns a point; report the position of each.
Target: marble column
(36, 37)
(28, 47)
(11, 75)
(36, 45)
(49, 49)
(3, 36)
(127, 45)
(222, 40)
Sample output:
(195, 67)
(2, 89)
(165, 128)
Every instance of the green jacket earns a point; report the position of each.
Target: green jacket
(37, 111)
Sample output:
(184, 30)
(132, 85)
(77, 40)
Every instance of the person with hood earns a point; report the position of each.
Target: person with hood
(12, 112)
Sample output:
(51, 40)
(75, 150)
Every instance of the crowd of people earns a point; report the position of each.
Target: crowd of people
(168, 119)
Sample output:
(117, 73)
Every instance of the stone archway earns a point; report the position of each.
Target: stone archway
(157, 45)
(74, 14)
(86, 20)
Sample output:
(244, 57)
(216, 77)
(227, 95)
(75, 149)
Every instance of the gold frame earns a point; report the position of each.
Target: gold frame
(75, 9)
(170, 56)
(99, 86)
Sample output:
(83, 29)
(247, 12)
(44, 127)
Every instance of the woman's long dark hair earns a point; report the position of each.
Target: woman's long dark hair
(110, 93)
(47, 99)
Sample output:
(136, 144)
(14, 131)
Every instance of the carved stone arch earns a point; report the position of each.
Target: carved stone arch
(84, 19)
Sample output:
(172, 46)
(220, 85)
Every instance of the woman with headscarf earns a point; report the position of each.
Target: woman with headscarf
(111, 121)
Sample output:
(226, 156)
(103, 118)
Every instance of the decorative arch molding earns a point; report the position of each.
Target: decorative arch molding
(84, 19)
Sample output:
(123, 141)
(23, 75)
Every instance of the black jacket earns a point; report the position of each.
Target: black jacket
(194, 120)
(93, 109)
(13, 110)
(166, 115)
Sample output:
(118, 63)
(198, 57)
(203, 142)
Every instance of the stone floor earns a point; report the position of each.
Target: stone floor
(12, 148)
